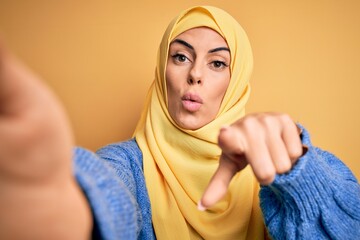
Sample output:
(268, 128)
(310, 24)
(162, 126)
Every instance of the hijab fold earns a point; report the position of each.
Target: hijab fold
(178, 163)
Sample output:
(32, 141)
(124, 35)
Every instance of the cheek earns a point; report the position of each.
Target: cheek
(170, 86)
(169, 75)
(174, 79)
(169, 81)
(221, 87)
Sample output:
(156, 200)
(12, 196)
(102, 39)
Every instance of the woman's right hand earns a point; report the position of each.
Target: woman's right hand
(269, 142)
(39, 198)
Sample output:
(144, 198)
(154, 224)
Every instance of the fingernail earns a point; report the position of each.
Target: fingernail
(201, 207)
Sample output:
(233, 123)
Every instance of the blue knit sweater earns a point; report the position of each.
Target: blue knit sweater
(318, 199)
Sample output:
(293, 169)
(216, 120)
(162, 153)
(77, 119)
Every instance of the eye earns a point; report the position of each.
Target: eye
(218, 65)
(180, 58)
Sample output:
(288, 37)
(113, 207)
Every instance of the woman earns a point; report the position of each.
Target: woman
(177, 134)
(152, 185)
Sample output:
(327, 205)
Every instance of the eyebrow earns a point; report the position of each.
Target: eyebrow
(219, 49)
(188, 45)
(182, 42)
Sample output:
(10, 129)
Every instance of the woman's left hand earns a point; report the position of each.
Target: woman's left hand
(268, 142)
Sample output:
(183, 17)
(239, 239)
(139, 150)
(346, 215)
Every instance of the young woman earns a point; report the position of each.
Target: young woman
(193, 168)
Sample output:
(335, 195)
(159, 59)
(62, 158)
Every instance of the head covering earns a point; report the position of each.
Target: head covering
(178, 163)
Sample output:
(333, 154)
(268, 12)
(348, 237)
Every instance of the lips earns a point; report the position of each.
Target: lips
(191, 102)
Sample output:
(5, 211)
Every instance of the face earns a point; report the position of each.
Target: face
(197, 76)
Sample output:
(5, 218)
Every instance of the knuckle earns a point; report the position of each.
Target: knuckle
(284, 167)
(268, 121)
(230, 141)
(250, 124)
(296, 152)
(266, 177)
(285, 117)
(222, 137)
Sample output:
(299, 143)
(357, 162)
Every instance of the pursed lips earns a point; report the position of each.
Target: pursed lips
(191, 102)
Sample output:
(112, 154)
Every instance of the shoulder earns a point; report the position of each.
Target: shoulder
(127, 161)
(126, 152)
(128, 148)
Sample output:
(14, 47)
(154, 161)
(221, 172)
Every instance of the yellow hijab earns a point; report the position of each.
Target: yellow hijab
(178, 163)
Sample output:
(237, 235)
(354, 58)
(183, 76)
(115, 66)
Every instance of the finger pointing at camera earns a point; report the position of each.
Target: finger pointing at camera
(268, 142)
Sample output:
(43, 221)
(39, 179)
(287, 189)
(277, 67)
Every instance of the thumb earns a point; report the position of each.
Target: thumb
(19, 86)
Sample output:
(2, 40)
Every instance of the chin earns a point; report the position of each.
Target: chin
(190, 125)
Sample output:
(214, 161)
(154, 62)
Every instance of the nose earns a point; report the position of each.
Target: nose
(191, 81)
(195, 75)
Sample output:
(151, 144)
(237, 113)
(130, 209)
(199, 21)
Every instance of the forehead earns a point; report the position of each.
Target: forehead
(202, 35)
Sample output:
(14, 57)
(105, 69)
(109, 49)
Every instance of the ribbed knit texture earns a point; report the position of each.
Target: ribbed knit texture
(318, 199)
(116, 190)
(126, 159)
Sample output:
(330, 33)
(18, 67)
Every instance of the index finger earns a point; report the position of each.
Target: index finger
(218, 184)
(230, 163)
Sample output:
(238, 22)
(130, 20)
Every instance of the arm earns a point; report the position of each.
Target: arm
(38, 195)
(127, 161)
(114, 206)
(322, 201)
(319, 198)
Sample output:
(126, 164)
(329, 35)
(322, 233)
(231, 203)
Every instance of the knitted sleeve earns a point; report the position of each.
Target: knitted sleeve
(114, 207)
(318, 199)
(126, 159)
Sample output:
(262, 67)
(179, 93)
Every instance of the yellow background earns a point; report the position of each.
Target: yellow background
(99, 57)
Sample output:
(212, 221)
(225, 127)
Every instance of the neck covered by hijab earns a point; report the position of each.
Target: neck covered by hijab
(178, 163)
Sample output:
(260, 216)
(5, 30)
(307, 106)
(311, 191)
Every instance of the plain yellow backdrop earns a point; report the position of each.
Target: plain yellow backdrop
(99, 57)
